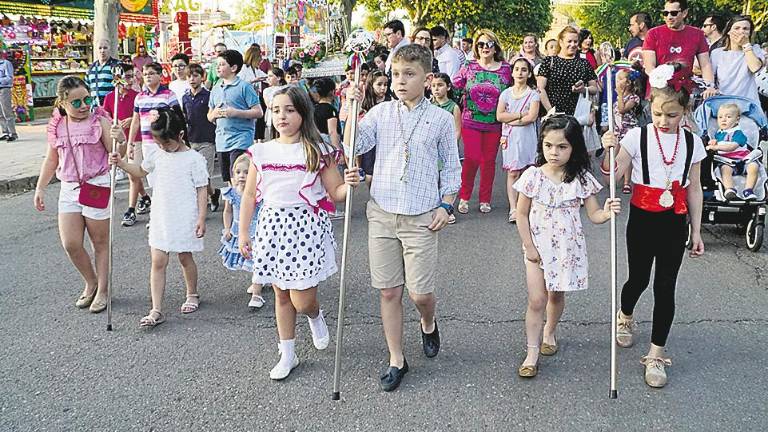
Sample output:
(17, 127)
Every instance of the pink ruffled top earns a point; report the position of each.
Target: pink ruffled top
(82, 150)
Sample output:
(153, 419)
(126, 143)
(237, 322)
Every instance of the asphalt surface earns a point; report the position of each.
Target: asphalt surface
(62, 371)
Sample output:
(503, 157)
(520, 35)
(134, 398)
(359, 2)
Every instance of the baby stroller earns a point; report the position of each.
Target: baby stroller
(749, 216)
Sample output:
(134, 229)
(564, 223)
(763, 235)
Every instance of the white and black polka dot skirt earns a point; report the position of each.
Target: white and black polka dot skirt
(293, 248)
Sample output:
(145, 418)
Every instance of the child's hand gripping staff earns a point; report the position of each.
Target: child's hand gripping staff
(606, 49)
(359, 43)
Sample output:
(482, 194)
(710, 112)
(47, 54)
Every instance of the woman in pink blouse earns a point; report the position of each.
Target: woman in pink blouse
(482, 81)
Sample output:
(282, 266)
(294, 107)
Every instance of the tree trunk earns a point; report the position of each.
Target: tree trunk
(347, 7)
(106, 14)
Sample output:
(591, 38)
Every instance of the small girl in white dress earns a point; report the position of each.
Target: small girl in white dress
(518, 110)
(293, 249)
(549, 224)
(179, 208)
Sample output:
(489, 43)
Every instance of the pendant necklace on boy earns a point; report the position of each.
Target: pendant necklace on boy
(407, 142)
(666, 199)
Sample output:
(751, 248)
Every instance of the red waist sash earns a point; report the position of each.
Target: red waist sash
(647, 198)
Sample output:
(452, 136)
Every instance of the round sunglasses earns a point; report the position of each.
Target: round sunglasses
(77, 103)
(483, 45)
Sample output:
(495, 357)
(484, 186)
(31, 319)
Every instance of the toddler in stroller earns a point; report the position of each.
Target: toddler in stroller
(734, 163)
(734, 153)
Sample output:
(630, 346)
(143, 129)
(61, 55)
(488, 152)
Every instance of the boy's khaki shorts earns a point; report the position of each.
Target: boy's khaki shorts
(402, 250)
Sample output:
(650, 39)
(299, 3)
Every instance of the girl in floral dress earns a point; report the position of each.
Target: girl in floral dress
(549, 224)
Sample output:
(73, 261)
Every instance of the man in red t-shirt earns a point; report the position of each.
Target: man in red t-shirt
(677, 42)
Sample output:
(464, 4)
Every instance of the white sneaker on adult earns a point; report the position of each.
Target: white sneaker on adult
(320, 336)
(283, 368)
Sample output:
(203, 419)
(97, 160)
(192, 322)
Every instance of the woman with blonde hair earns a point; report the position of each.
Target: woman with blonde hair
(563, 77)
(529, 49)
(482, 79)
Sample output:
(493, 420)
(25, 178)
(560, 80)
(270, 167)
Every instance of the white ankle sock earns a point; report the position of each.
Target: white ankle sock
(287, 350)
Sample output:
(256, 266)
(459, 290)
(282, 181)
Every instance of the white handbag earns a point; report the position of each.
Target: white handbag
(583, 108)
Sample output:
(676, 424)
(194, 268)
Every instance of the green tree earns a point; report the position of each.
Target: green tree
(249, 12)
(510, 19)
(609, 19)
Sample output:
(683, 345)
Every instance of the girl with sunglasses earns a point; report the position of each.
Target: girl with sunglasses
(78, 144)
(482, 81)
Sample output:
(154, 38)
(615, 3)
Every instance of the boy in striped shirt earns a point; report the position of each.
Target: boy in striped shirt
(152, 97)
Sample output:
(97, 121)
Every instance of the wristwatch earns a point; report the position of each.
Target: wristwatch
(447, 207)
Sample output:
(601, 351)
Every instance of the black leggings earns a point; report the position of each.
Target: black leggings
(658, 237)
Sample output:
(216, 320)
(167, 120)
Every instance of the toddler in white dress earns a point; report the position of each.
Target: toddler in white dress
(178, 208)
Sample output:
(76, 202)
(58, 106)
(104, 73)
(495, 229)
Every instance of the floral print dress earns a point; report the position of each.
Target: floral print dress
(556, 227)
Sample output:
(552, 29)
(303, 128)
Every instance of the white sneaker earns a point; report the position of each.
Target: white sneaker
(320, 336)
(283, 368)
(257, 302)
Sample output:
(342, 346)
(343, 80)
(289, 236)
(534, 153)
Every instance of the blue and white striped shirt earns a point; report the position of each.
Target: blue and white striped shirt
(99, 79)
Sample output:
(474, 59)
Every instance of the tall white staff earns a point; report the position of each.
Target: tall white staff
(117, 74)
(359, 41)
(607, 51)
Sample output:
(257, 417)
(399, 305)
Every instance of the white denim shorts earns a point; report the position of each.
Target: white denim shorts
(69, 203)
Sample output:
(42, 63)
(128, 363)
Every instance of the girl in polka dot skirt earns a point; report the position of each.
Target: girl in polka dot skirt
(293, 248)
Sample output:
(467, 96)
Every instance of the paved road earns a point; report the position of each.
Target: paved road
(61, 371)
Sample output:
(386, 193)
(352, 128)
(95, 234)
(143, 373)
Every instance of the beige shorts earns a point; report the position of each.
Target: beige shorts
(208, 151)
(402, 250)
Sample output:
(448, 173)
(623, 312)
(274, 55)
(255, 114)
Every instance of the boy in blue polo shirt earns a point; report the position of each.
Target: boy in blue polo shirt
(234, 107)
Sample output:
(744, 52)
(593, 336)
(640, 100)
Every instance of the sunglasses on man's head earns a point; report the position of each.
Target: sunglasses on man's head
(674, 13)
(77, 103)
(483, 45)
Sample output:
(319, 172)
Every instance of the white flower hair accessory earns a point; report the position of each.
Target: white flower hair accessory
(659, 77)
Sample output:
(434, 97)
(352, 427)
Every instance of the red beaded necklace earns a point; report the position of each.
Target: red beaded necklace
(661, 150)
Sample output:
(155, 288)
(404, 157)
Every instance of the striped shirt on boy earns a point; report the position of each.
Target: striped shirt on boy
(99, 79)
(147, 101)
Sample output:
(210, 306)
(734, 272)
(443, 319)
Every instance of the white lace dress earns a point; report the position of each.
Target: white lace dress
(174, 200)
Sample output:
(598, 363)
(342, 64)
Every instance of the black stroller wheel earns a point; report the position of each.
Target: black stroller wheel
(754, 234)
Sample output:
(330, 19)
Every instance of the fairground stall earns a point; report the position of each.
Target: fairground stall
(45, 41)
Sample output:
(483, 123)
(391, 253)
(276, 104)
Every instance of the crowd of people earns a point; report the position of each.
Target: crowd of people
(431, 117)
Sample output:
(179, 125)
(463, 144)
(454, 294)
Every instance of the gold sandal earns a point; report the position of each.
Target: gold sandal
(85, 300)
(528, 371)
(547, 349)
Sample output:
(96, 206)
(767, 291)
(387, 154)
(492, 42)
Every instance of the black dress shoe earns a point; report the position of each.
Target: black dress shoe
(4, 137)
(12, 138)
(391, 379)
(431, 342)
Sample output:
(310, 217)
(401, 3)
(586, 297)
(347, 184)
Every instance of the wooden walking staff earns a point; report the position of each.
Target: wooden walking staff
(607, 50)
(117, 74)
(358, 43)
